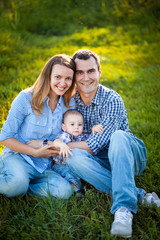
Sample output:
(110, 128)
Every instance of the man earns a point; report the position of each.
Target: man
(110, 160)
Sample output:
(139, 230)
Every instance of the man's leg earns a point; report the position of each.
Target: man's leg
(127, 157)
(88, 168)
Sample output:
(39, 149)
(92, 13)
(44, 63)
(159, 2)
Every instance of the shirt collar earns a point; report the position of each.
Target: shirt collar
(60, 102)
(96, 100)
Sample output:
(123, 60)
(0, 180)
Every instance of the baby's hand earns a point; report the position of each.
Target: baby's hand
(97, 128)
(65, 150)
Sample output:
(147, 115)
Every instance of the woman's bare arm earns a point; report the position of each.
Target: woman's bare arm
(15, 145)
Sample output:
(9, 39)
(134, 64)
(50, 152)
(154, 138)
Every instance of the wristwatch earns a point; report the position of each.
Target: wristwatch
(45, 142)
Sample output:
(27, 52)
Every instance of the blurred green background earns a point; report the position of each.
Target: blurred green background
(61, 17)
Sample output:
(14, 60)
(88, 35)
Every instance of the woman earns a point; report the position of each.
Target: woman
(36, 113)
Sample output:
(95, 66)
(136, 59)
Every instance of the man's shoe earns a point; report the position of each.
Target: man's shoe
(151, 199)
(122, 225)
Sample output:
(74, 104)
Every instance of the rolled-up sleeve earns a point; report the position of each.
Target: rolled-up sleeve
(111, 121)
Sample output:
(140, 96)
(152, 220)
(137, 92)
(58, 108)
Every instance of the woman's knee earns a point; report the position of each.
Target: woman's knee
(62, 189)
(14, 180)
(65, 191)
(15, 186)
(52, 184)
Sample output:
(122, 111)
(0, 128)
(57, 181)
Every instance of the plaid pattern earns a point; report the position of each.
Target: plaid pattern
(66, 137)
(106, 108)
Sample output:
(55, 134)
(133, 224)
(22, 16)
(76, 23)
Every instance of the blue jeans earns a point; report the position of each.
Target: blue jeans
(65, 172)
(112, 171)
(17, 177)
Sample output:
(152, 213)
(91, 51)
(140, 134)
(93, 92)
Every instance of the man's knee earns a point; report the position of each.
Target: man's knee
(119, 138)
(118, 134)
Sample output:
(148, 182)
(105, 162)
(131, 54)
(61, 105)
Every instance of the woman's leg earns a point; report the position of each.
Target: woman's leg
(52, 183)
(14, 177)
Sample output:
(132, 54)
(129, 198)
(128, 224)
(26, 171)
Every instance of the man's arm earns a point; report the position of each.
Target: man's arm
(82, 145)
(114, 117)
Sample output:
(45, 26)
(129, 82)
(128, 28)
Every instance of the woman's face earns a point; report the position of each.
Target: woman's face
(61, 79)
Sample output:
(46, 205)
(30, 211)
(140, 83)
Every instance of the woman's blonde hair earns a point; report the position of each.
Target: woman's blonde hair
(41, 88)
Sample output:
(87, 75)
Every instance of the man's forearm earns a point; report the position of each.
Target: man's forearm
(82, 145)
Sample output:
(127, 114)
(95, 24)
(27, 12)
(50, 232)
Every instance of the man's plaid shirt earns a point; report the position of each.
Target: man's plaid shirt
(106, 108)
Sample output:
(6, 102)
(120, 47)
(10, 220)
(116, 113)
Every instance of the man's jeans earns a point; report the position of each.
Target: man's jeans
(112, 171)
(17, 177)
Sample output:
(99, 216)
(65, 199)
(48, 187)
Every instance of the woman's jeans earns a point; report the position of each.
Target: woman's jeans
(112, 171)
(17, 177)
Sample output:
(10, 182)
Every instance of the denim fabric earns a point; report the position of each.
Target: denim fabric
(112, 171)
(65, 172)
(23, 124)
(17, 177)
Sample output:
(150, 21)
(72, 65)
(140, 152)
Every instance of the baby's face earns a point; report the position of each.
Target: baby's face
(73, 124)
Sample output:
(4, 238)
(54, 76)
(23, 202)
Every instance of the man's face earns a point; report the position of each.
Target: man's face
(87, 75)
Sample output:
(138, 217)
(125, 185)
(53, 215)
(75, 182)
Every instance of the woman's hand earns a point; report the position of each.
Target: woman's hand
(46, 151)
(35, 143)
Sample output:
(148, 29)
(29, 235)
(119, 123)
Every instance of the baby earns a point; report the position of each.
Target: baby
(72, 127)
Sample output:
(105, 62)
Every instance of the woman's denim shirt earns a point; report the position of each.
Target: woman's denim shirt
(23, 124)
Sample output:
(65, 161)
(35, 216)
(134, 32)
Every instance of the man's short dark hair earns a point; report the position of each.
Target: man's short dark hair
(85, 54)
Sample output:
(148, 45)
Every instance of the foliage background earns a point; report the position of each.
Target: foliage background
(125, 34)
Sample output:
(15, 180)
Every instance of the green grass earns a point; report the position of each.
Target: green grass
(130, 60)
